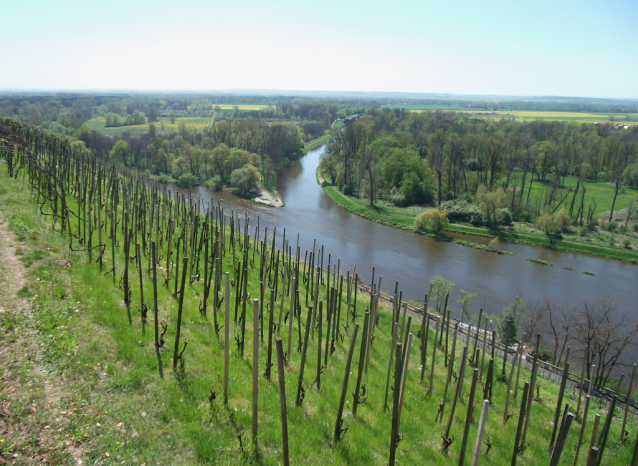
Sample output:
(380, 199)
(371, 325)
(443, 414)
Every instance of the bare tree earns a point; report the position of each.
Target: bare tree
(561, 320)
(608, 332)
(533, 321)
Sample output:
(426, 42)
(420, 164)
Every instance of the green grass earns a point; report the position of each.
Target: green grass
(403, 217)
(99, 124)
(118, 404)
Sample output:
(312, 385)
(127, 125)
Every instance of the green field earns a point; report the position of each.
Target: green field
(99, 124)
(601, 243)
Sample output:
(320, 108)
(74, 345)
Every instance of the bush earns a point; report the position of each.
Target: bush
(583, 231)
(563, 221)
(215, 183)
(434, 220)
(396, 197)
(187, 181)
(611, 226)
(504, 216)
(463, 211)
(592, 225)
(164, 178)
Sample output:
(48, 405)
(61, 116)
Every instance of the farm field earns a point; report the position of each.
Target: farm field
(529, 115)
(99, 123)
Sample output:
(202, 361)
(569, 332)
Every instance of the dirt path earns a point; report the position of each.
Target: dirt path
(29, 395)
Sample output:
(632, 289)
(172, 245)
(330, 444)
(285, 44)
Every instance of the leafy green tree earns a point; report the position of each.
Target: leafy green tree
(119, 152)
(172, 116)
(440, 288)
(507, 329)
(464, 300)
(245, 179)
(152, 131)
(434, 220)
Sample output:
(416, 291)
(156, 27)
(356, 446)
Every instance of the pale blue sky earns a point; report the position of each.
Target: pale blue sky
(506, 47)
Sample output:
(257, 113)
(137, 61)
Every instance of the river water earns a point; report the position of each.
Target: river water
(413, 259)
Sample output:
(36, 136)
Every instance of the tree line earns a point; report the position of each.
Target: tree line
(416, 158)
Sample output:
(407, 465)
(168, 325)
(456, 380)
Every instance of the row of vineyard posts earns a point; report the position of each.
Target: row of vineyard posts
(176, 241)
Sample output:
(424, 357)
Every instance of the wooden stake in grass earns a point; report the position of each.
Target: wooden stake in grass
(481, 431)
(179, 311)
(299, 398)
(606, 427)
(155, 295)
(506, 416)
(282, 400)
(387, 381)
(255, 364)
(559, 402)
(356, 395)
(436, 334)
(319, 366)
(226, 333)
(339, 430)
(447, 441)
(582, 428)
(521, 419)
(394, 437)
(560, 442)
(623, 434)
(468, 417)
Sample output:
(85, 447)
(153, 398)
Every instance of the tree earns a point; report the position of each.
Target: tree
(172, 116)
(245, 179)
(607, 331)
(119, 152)
(560, 323)
(434, 220)
(464, 300)
(440, 289)
(152, 132)
(507, 329)
(328, 166)
(490, 202)
(370, 167)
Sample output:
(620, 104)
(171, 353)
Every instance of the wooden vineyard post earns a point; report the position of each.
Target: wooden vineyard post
(559, 402)
(468, 417)
(303, 357)
(157, 343)
(592, 458)
(339, 423)
(282, 400)
(450, 369)
(634, 459)
(476, 338)
(143, 310)
(394, 436)
(255, 365)
(606, 427)
(226, 333)
(179, 312)
(521, 420)
(623, 434)
(291, 316)
(582, 379)
(271, 306)
(530, 397)
(560, 442)
(481, 431)
(425, 332)
(520, 363)
(509, 383)
(319, 366)
(394, 338)
(446, 437)
(582, 427)
(436, 333)
(356, 395)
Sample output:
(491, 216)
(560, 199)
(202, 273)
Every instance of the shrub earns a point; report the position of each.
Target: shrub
(504, 216)
(592, 225)
(562, 219)
(434, 220)
(396, 197)
(187, 181)
(463, 211)
(583, 231)
(164, 178)
(215, 183)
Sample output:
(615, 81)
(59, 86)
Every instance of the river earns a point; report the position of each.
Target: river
(413, 259)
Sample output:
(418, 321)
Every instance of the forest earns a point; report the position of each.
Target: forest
(481, 171)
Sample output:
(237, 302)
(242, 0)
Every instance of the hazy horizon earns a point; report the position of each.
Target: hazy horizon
(494, 48)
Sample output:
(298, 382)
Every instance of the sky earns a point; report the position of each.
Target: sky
(497, 47)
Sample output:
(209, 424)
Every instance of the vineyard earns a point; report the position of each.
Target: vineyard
(260, 352)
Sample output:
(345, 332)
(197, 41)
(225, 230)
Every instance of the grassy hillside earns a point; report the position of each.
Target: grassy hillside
(94, 375)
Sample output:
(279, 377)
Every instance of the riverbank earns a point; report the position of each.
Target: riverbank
(403, 217)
